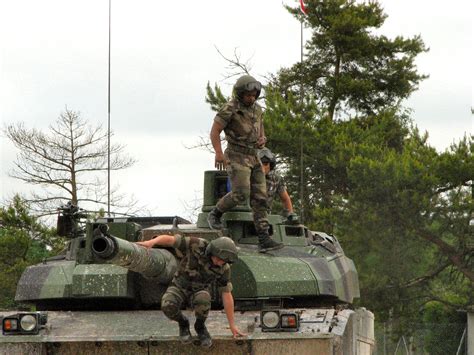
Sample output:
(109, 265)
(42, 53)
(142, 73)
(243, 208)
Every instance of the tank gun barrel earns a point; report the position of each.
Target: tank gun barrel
(157, 264)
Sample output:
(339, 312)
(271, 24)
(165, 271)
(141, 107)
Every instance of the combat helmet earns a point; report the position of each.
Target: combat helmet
(266, 155)
(224, 248)
(247, 83)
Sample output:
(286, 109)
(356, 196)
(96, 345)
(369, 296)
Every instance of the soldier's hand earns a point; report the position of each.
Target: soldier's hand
(236, 333)
(219, 161)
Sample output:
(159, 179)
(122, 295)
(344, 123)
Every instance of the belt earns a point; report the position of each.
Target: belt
(241, 149)
(191, 286)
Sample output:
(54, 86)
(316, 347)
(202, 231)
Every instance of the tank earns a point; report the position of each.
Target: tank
(103, 267)
(105, 280)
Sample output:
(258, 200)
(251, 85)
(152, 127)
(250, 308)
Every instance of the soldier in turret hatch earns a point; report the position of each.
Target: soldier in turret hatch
(275, 183)
(201, 263)
(241, 120)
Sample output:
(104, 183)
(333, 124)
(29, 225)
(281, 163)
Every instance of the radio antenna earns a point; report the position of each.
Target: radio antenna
(108, 120)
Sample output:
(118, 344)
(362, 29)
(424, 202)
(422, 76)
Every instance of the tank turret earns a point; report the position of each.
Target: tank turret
(101, 268)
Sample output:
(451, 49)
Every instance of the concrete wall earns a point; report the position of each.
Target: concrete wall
(255, 347)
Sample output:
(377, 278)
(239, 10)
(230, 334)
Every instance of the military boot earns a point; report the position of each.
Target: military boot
(265, 243)
(203, 335)
(214, 219)
(184, 332)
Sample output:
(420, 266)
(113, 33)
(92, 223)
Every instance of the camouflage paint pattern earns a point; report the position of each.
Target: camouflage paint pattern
(46, 281)
(196, 270)
(158, 264)
(307, 268)
(247, 181)
(242, 124)
(193, 279)
(175, 297)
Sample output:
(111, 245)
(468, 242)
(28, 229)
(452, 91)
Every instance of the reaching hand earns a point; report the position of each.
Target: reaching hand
(236, 333)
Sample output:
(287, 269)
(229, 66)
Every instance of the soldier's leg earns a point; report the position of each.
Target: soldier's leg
(171, 304)
(258, 201)
(201, 302)
(240, 184)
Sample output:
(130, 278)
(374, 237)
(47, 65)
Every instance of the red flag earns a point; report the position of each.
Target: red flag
(303, 8)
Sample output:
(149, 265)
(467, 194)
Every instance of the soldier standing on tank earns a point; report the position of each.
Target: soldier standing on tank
(275, 183)
(201, 263)
(241, 120)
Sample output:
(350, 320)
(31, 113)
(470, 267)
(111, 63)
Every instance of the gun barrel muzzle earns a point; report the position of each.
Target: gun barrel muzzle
(103, 247)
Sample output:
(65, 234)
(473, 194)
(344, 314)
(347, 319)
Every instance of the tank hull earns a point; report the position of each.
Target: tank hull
(150, 332)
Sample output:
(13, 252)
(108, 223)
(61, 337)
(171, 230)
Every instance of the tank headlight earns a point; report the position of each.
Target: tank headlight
(28, 322)
(280, 321)
(270, 319)
(24, 323)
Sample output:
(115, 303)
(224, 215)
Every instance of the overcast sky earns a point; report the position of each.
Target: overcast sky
(54, 54)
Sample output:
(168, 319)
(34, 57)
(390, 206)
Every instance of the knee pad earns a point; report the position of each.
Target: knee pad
(170, 307)
(201, 304)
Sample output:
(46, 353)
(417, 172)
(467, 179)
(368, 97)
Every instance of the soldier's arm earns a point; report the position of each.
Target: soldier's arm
(286, 200)
(216, 130)
(228, 302)
(163, 240)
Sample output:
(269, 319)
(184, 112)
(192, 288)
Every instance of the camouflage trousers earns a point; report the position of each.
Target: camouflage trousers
(176, 296)
(247, 181)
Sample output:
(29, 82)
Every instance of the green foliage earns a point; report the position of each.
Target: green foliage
(377, 184)
(215, 97)
(407, 233)
(23, 241)
(14, 244)
(347, 65)
(443, 323)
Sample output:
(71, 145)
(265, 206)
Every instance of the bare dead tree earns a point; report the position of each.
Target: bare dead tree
(68, 163)
(235, 66)
(203, 143)
(193, 207)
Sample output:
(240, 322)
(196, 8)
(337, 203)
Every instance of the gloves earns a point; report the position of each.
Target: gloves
(290, 217)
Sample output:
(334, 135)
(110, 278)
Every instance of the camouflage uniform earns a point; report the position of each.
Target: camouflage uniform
(275, 186)
(242, 126)
(193, 279)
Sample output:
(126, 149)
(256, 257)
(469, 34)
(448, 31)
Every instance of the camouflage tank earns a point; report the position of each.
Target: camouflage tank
(103, 267)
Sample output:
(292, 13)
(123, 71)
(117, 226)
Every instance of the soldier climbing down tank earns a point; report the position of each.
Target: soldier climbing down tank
(241, 120)
(202, 262)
